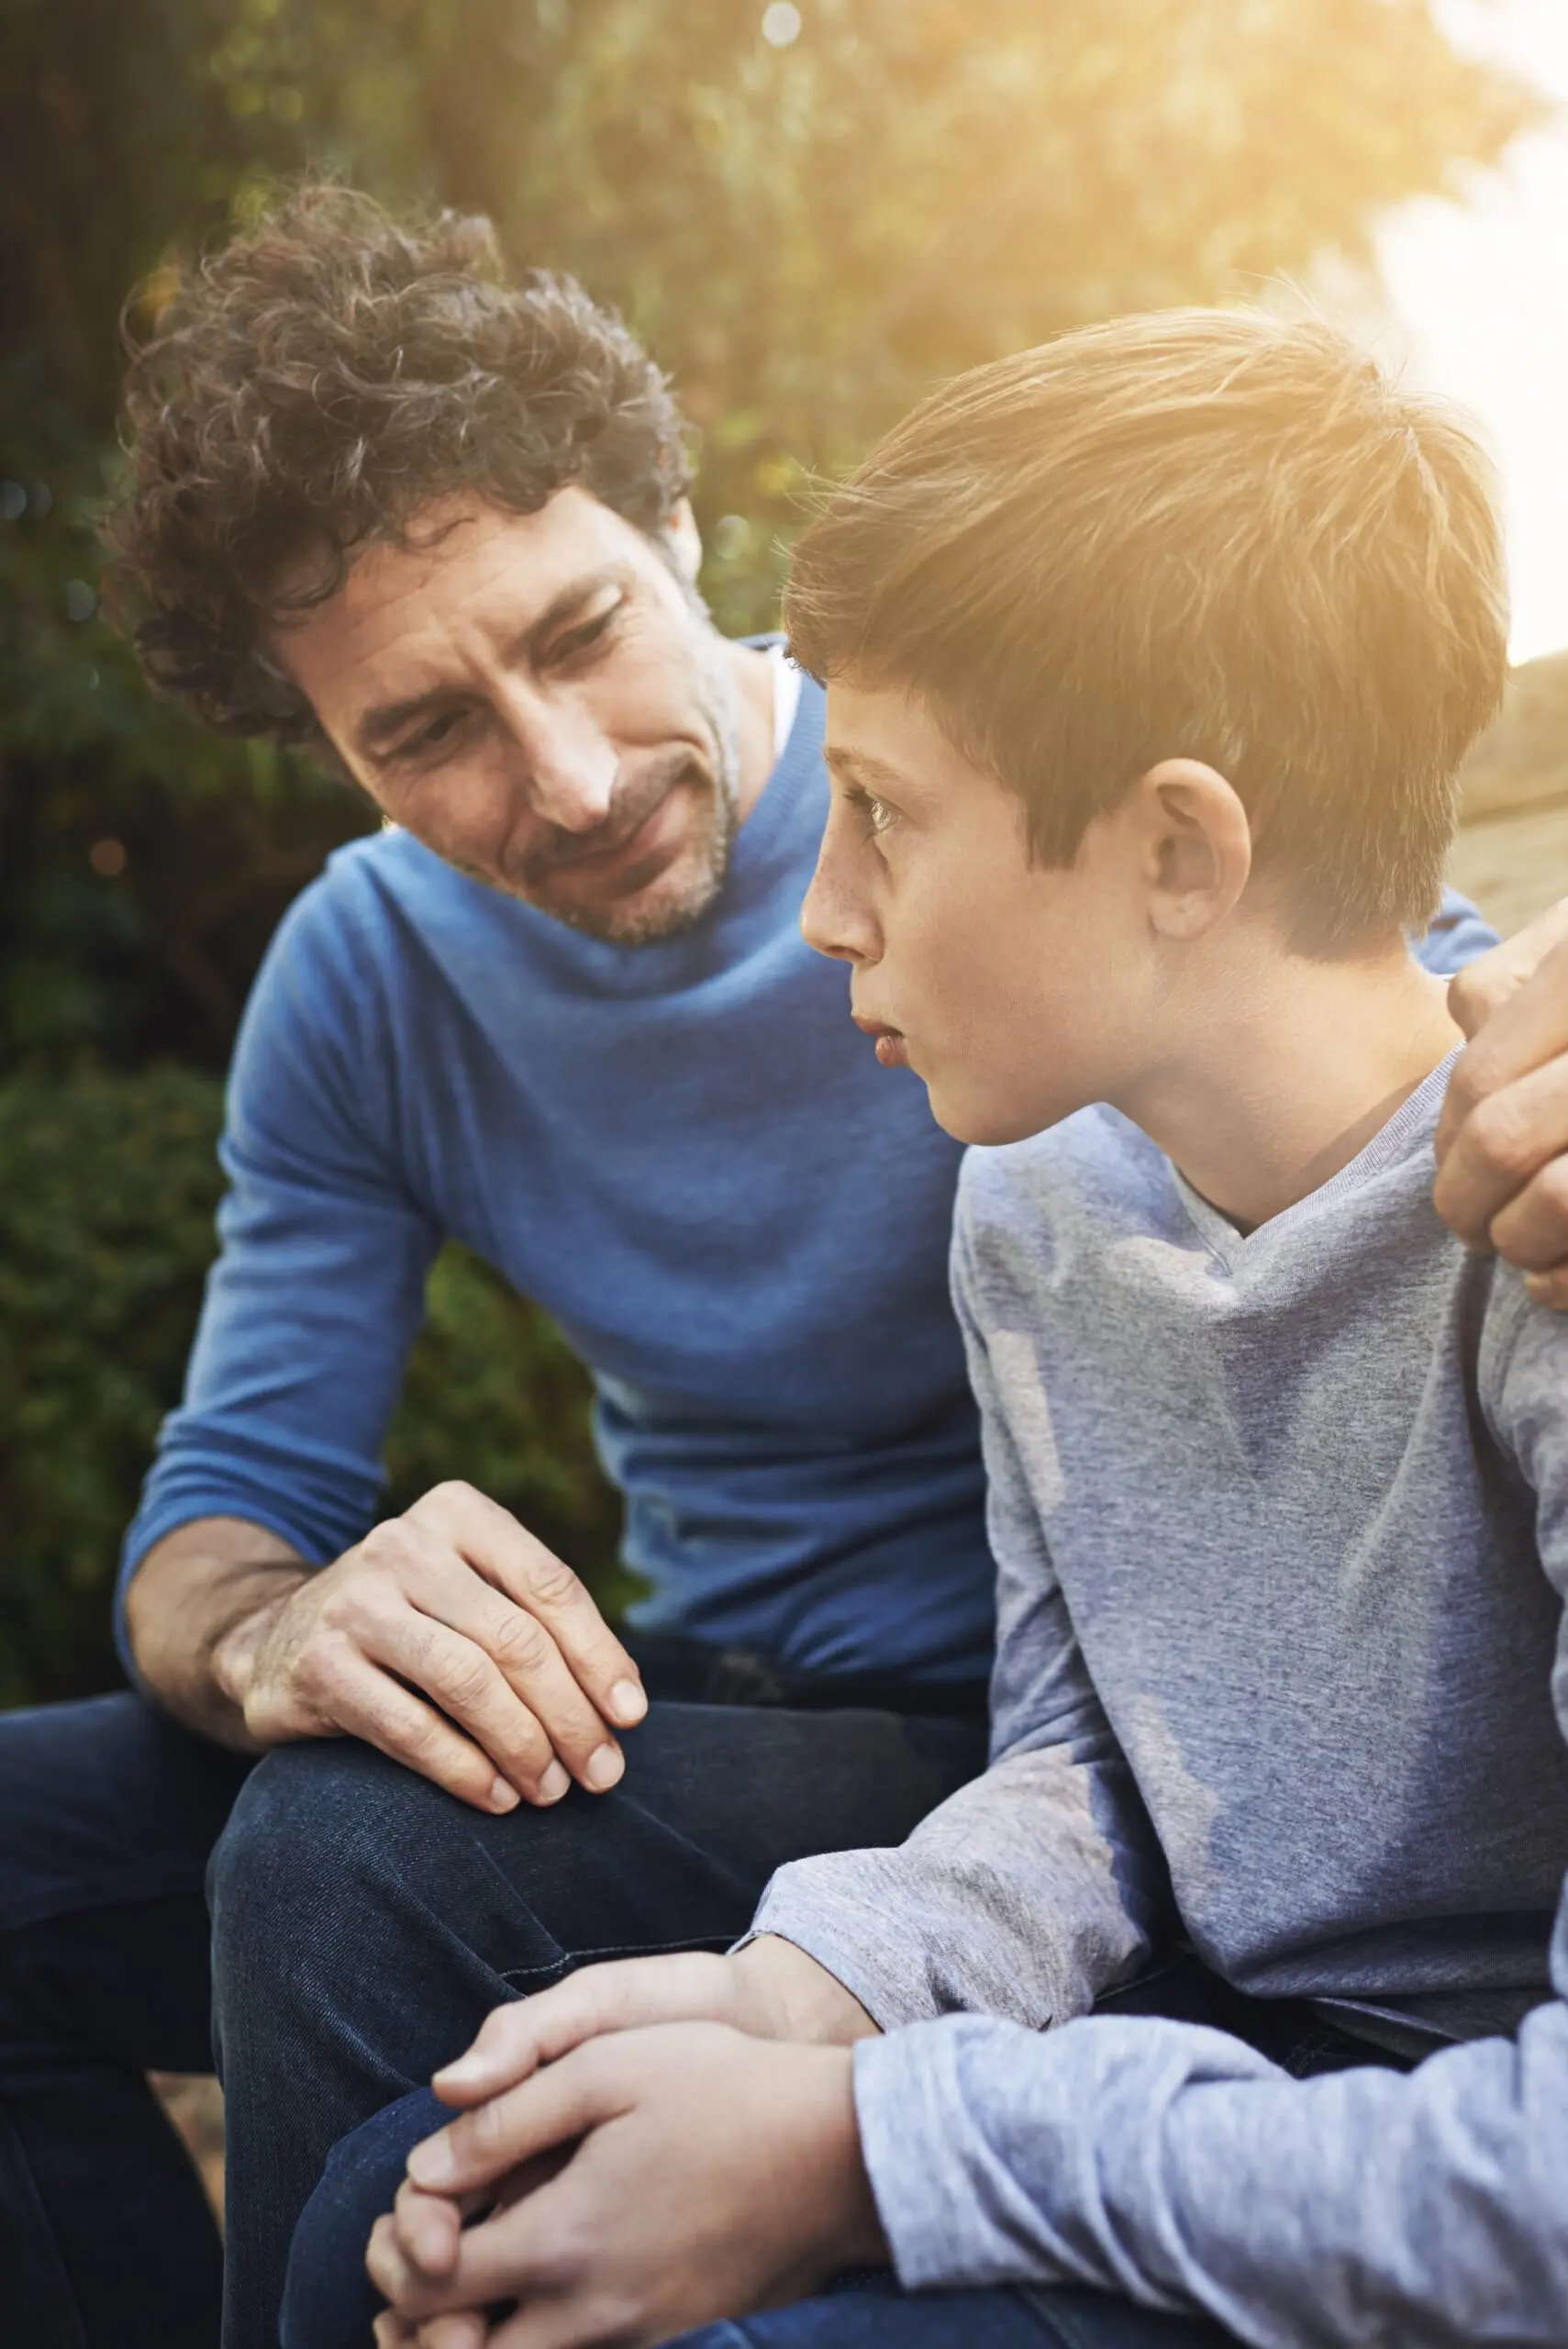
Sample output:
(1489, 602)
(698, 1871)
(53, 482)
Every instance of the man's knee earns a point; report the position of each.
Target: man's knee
(317, 1843)
(328, 2300)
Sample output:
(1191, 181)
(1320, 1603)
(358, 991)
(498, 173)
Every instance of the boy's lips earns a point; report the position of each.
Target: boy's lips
(891, 1049)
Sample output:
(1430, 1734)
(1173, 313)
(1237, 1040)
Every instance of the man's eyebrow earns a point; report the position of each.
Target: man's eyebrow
(385, 719)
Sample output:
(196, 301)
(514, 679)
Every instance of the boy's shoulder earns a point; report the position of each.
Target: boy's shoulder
(1090, 1180)
(1097, 1160)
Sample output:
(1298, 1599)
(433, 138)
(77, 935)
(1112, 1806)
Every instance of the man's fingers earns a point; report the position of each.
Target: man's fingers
(532, 1666)
(515, 2040)
(369, 1704)
(469, 1686)
(493, 1541)
(390, 2330)
(1532, 1231)
(552, 2108)
(1506, 1138)
(1488, 982)
(1516, 1028)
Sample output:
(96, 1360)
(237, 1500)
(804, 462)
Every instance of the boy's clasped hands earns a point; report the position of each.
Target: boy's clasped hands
(644, 2147)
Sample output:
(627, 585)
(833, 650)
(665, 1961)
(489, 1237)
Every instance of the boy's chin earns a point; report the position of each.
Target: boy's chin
(988, 1121)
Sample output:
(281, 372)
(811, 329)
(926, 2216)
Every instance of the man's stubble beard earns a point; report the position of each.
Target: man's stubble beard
(709, 845)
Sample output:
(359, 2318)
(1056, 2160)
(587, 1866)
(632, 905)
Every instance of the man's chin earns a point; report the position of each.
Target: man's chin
(672, 898)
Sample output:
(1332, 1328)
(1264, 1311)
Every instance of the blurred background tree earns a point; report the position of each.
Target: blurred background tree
(810, 212)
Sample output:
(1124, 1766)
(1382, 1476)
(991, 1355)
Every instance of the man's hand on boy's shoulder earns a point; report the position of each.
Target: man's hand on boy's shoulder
(662, 2177)
(1502, 1143)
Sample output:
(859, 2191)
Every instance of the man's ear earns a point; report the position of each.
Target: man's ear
(685, 541)
(1196, 847)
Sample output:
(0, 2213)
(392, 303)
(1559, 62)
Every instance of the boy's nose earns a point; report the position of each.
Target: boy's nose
(835, 919)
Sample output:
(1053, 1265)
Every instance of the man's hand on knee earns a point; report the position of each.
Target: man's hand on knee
(698, 2171)
(455, 1642)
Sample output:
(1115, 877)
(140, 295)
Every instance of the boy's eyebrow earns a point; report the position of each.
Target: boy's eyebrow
(379, 724)
(863, 767)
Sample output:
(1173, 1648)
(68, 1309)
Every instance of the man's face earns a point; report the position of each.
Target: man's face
(541, 700)
(1011, 988)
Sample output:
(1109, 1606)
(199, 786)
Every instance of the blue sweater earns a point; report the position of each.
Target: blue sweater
(687, 1154)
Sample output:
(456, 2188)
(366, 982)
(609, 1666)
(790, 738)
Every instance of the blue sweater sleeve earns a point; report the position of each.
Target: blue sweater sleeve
(1458, 934)
(320, 1288)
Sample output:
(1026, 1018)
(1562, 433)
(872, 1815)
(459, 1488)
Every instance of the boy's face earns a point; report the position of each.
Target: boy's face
(1018, 992)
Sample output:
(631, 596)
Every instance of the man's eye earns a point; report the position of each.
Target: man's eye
(436, 736)
(578, 640)
(880, 817)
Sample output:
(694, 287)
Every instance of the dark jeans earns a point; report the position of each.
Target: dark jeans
(328, 2302)
(365, 1923)
(881, 2317)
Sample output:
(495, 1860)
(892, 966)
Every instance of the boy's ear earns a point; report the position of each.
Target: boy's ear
(1196, 846)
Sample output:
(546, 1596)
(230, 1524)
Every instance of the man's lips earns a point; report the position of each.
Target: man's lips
(890, 1049)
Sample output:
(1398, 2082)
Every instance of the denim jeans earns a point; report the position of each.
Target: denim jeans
(363, 1924)
(881, 2317)
(107, 1814)
(328, 2302)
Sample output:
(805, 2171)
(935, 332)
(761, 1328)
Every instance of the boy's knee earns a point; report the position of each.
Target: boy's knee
(328, 2300)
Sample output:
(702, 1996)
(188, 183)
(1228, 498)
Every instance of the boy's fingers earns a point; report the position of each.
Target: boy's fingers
(553, 2106)
(427, 2227)
(460, 2328)
(514, 2040)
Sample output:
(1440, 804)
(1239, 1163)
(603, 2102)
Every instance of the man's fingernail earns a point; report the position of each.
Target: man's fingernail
(430, 2163)
(554, 1784)
(603, 1768)
(504, 1795)
(628, 1702)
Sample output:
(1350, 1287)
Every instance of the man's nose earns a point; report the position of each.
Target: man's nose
(569, 767)
(836, 918)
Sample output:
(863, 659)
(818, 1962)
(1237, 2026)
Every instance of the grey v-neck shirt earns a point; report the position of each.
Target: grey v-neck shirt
(1282, 1532)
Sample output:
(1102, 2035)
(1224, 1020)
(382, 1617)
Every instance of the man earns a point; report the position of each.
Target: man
(1278, 1470)
(386, 503)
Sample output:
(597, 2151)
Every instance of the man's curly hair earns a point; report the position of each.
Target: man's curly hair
(311, 388)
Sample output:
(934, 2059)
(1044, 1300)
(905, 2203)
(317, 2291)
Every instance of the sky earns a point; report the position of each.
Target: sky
(1478, 298)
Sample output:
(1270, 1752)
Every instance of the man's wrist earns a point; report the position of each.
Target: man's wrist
(237, 1647)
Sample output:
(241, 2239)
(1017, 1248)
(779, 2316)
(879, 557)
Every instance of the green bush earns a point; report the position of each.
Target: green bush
(107, 1187)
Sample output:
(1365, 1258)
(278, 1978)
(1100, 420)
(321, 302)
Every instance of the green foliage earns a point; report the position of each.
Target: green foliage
(107, 1187)
(807, 234)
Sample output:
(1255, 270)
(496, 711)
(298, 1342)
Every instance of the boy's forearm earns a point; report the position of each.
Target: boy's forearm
(1172, 2164)
(196, 1610)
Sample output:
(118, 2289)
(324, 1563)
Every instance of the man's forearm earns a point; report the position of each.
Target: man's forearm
(201, 1602)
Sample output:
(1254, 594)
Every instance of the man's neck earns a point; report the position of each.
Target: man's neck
(1289, 1084)
(754, 683)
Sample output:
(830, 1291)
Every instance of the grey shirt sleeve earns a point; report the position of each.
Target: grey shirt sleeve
(1174, 2164)
(1033, 1888)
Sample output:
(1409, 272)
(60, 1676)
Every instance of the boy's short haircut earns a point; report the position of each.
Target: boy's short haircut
(1199, 533)
(307, 390)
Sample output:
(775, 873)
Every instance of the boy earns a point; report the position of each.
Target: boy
(1151, 659)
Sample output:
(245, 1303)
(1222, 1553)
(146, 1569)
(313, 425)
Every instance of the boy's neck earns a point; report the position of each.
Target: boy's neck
(1291, 1078)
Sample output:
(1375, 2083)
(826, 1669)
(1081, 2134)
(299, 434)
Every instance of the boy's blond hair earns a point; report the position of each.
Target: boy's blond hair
(1199, 533)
